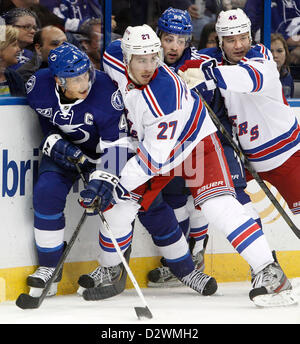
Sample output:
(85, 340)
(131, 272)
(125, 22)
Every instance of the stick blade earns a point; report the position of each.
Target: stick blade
(143, 312)
(26, 301)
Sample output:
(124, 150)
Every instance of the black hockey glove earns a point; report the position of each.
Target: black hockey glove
(98, 193)
(64, 153)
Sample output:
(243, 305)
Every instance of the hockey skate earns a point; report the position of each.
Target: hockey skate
(200, 282)
(162, 277)
(104, 282)
(271, 288)
(37, 281)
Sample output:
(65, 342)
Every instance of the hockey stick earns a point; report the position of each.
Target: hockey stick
(26, 301)
(141, 312)
(247, 164)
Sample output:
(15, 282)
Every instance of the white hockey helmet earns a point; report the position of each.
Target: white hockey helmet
(232, 22)
(140, 40)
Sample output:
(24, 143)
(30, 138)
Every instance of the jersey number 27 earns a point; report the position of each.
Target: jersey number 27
(167, 131)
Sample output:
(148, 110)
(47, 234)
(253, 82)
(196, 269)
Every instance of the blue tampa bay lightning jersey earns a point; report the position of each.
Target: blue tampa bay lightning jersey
(91, 123)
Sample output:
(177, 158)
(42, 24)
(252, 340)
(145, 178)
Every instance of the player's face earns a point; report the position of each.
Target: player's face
(78, 87)
(236, 47)
(278, 52)
(142, 67)
(173, 46)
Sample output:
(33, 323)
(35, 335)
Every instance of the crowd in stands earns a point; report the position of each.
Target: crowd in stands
(41, 25)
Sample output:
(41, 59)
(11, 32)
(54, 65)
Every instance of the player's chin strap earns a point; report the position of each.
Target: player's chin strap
(249, 167)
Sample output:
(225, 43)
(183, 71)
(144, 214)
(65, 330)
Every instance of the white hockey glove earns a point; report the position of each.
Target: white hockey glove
(199, 72)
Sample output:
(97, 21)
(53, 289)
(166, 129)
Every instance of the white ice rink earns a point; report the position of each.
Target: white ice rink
(230, 305)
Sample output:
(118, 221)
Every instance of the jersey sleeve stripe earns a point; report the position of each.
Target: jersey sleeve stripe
(191, 129)
(256, 77)
(178, 86)
(264, 51)
(113, 62)
(152, 102)
(276, 146)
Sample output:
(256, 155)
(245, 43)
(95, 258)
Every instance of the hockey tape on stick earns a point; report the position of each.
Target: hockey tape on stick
(249, 167)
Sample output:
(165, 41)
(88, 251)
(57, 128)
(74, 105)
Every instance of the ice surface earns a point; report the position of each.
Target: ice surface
(230, 305)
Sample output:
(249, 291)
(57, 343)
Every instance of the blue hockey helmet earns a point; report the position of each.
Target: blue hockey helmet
(68, 61)
(175, 21)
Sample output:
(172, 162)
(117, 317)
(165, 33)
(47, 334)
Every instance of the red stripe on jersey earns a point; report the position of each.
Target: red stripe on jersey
(255, 227)
(113, 60)
(152, 101)
(276, 146)
(193, 127)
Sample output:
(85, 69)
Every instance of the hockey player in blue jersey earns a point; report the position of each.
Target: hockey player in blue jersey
(79, 110)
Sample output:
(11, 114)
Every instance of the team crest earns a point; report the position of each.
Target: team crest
(117, 100)
(45, 112)
(30, 84)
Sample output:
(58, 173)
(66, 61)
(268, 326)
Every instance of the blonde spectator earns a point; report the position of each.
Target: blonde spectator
(11, 83)
(28, 24)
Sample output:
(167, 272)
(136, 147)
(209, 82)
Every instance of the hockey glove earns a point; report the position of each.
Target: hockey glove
(64, 153)
(199, 73)
(98, 193)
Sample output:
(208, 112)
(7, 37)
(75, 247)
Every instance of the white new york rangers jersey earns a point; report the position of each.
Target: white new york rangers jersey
(267, 129)
(167, 120)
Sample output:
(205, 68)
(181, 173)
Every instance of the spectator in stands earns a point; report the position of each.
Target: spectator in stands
(45, 15)
(7, 5)
(285, 20)
(27, 23)
(50, 4)
(49, 37)
(74, 13)
(280, 51)
(132, 13)
(208, 36)
(232, 4)
(11, 83)
(202, 12)
(91, 40)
